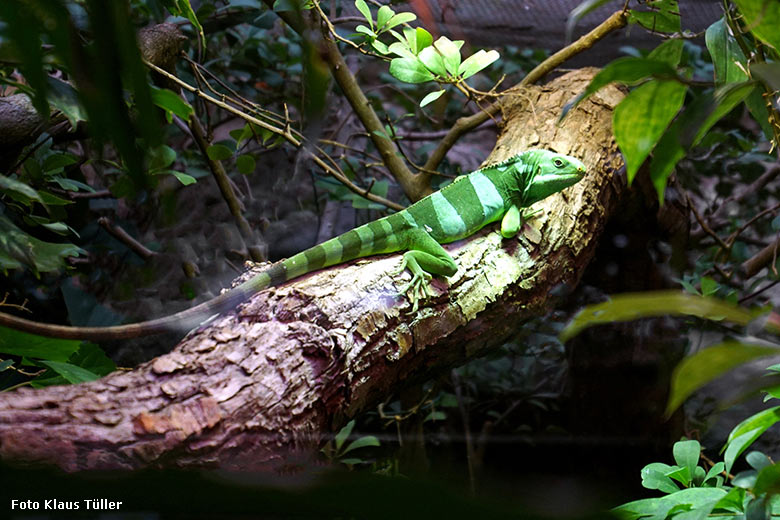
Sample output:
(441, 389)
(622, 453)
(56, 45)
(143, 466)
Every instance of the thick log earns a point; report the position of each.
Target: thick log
(259, 388)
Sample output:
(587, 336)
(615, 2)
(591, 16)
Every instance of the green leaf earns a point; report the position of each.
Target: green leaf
(725, 52)
(757, 460)
(762, 18)
(476, 62)
(400, 18)
(696, 498)
(686, 454)
(172, 103)
(410, 70)
(763, 419)
(380, 47)
(219, 152)
(669, 51)
(18, 249)
(663, 16)
(18, 190)
(655, 476)
(691, 126)
(183, 178)
(708, 286)
(52, 200)
(681, 475)
(6, 364)
(368, 440)
(746, 432)
(245, 164)
(433, 61)
(767, 72)
(450, 54)
(342, 435)
(365, 30)
(57, 161)
(768, 480)
(435, 415)
(63, 97)
(383, 16)
(651, 107)
(91, 357)
(71, 373)
(708, 364)
(161, 157)
(423, 39)
(632, 306)
(402, 50)
(365, 11)
(714, 471)
(628, 71)
(431, 97)
(576, 14)
(27, 345)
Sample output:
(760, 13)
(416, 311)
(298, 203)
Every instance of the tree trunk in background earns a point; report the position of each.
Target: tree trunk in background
(260, 388)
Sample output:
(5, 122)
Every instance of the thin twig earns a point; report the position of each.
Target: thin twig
(123, 236)
(286, 134)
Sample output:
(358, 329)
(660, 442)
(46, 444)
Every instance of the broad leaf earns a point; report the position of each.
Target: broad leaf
(431, 97)
(686, 454)
(433, 61)
(18, 249)
(368, 440)
(365, 11)
(576, 14)
(19, 191)
(172, 103)
(410, 70)
(219, 152)
(706, 365)
(342, 435)
(245, 164)
(651, 107)
(669, 51)
(63, 97)
(696, 498)
(476, 62)
(383, 16)
(27, 345)
(663, 16)
(762, 18)
(726, 54)
(400, 18)
(628, 71)
(450, 54)
(71, 373)
(768, 480)
(633, 306)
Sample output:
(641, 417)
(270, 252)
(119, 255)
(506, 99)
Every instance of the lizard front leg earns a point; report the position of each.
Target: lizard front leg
(513, 221)
(424, 258)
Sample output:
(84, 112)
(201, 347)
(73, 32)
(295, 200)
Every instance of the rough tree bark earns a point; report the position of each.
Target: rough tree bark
(258, 388)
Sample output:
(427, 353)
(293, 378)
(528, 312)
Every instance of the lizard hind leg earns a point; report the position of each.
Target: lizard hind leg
(425, 257)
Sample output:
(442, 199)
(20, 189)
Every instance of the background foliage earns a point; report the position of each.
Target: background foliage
(109, 193)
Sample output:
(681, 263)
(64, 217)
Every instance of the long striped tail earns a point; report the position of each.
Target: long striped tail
(372, 238)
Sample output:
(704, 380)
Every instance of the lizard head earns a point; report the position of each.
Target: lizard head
(553, 172)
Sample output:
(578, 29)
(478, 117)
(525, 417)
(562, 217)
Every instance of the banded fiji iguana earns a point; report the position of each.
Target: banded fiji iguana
(495, 192)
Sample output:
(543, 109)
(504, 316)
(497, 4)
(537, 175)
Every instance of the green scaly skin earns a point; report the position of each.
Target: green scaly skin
(496, 192)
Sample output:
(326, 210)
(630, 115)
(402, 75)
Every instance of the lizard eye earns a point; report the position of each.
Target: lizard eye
(558, 163)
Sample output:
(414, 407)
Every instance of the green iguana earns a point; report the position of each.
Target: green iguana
(495, 192)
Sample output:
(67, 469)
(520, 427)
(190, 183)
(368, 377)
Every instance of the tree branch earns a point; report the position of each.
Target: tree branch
(257, 387)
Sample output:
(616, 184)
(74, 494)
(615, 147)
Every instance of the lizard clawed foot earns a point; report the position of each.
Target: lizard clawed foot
(417, 289)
